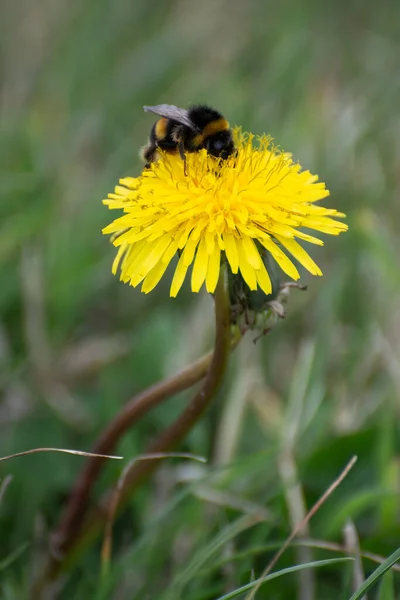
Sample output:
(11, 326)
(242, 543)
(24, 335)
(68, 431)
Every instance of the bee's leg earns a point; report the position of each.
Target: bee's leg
(181, 150)
(178, 135)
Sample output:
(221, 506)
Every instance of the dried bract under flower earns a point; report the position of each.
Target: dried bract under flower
(257, 199)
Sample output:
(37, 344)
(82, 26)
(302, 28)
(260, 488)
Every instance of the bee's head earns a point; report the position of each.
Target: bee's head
(220, 144)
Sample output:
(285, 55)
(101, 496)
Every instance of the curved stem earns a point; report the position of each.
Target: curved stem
(141, 404)
(168, 439)
(72, 540)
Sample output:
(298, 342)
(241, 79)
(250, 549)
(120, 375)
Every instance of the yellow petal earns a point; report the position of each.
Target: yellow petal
(283, 261)
(246, 270)
(170, 252)
(129, 256)
(252, 254)
(117, 259)
(131, 265)
(179, 277)
(154, 277)
(263, 279)
(231, 251)
(210, 241)
(154, 256)
(213, 270)
(309, 238)
(200, 266)
(190, 249)
(301, 255)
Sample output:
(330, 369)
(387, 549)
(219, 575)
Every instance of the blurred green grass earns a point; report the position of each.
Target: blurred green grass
(75, 344)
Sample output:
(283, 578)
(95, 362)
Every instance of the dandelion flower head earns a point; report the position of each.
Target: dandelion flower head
(209, 211)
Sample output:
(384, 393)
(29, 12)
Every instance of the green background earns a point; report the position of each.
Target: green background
(75, 344)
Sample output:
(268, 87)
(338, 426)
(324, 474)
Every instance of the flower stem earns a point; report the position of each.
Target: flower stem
(70, 538)
(168, 439)
(134, 410)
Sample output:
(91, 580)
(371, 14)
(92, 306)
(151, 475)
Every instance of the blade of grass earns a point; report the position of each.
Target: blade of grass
(312, 543)
(205, 553)
(309, 515)
(312, 565)
(376, 575)
(107, 541)
(4, 485)
(13, 556)
(352, 545)
(63, 450)
(386, 590)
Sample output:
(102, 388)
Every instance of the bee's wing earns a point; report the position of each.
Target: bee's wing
(180, 115)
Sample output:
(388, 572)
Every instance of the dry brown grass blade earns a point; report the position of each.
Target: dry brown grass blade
(301, 525)
(332, 547)
(63, 450)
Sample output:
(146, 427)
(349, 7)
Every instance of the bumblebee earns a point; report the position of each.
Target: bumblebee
(181, 130)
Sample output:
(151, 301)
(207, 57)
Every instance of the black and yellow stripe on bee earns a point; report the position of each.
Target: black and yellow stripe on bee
(188, 131)
(161, 128)
(211, 129)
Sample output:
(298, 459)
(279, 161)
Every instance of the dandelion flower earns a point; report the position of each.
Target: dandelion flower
(234, 210)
